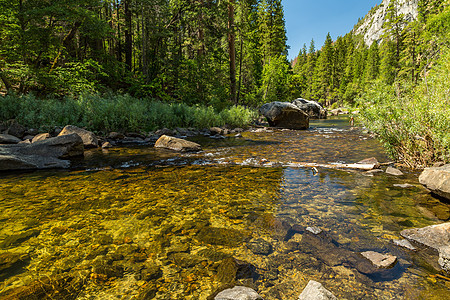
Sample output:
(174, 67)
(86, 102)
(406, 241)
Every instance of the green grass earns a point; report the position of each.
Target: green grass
(117, 113)
(413, 122)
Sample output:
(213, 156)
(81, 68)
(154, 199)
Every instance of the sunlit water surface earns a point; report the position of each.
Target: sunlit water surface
(141, 223)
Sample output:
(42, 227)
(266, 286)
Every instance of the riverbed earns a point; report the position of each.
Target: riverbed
(144, 223)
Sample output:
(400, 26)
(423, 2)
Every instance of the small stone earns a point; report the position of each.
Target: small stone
(380, 260)
(314, 230)
(444, 258)
(26, 142)
(404, 185)
(394, 171)
(238, 135)
(369, 161)
(216, 130)
(106, 145)
(238, 293)
(315, 291)
(405, 244)
(41, 137)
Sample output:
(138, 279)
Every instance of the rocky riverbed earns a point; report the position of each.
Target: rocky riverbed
(145, 223)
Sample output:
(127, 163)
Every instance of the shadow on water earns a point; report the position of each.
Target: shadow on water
(152, 224)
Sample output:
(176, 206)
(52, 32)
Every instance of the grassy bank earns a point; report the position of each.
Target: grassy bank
(413, 122)
(117, 113)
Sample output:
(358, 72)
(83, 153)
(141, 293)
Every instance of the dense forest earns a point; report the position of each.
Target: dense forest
(196, 52)
(146, 64)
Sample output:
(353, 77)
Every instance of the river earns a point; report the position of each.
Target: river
(142, 223)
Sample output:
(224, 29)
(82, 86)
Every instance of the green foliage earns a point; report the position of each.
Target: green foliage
(412, 121)
(117, 113)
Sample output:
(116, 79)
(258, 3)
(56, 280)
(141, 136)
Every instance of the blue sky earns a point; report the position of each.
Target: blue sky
(307, 19)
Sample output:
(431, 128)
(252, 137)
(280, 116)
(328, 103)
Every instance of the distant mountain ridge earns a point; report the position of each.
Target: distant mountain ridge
(372, 25)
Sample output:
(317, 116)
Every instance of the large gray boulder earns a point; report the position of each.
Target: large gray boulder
(42, 154)
(285, 115)
(437, 179)
(238, 293)
(436, 237)
(89, 138)
(9, 139)
(176, 144)
(312, 108)
(315, 291)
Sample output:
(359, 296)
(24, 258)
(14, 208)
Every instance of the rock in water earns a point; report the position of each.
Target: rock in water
(380, 260)
(238, 293)
(8, 139)
(315, 291)
(285, 115)
(312, 108)
(41, 137)
(434, 236)
(260, 246)
(177, 144)
(444, 258)
(42, 154)
(394, 171)
(437, 179)
(89, 138)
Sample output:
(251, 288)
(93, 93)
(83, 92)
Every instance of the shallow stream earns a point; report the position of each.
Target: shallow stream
(142, 223)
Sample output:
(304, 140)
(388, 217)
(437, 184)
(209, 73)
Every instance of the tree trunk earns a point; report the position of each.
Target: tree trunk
(5, 80)
(232, 50)
(128, 36)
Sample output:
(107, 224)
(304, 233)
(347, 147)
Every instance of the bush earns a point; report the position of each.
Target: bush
(412, 122)
(116, 113)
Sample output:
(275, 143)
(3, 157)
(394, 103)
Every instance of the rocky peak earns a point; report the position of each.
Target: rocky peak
(372, 25)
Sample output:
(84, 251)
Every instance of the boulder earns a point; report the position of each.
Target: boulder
(315, 291)
(380, 260)
(176, 144)
(285, 115)
(444, 258)
(42, 154)
(15, 129)
(312, 108)
(41, 137)
(260, 246)
(434, 236)
(238, 293)
(89, 138)
(437, 179)
(9, 139)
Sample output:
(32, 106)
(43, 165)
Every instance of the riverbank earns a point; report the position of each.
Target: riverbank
(119, 113)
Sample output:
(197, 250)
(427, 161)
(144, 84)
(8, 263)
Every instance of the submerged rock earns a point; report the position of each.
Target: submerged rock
(404, 243)
(260, 246)
(315, 291)
(177, 144)
(89, 138)
(238, 293)
(314, 230)
(231, 269)
(285, 115)
(380, 260)
(437, 179)
(312, 108)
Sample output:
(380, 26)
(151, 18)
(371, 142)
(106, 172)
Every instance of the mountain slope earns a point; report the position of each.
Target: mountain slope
(372, 26)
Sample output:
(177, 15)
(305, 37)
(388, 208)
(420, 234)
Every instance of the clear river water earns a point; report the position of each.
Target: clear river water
(144, 223)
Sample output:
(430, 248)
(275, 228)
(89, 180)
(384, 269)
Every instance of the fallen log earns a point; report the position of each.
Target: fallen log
(364, 167)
